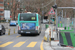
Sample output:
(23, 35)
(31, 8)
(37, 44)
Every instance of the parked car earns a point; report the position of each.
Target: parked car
(2, 30)
(13, 23)
(45, 21)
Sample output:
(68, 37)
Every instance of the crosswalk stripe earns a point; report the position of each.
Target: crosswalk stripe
(6, 44)
(19, 44)
(32, 44)
(18, 36)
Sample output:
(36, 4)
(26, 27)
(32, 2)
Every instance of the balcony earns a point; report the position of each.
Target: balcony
(1, 11)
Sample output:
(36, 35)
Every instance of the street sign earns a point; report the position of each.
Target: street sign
(7, 14)
(51, 12)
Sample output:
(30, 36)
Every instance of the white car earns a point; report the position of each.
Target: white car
(45, 21)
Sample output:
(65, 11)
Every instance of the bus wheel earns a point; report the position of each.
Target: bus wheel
(22, 35)
(38, 33)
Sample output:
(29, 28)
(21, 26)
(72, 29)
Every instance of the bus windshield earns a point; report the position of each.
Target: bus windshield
(28, 17)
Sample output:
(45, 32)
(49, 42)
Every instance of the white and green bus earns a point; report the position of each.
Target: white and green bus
(29, 23)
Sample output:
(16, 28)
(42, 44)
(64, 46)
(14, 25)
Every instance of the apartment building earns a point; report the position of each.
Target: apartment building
(1, 9)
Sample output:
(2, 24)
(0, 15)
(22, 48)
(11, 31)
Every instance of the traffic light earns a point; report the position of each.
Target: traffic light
(54, 6)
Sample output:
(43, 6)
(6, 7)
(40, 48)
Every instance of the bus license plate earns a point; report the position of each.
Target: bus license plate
(27, 32)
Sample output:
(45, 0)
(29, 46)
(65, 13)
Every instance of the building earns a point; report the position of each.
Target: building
(13, 6)
(1, 9)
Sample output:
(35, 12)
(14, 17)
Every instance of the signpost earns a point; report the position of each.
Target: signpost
(51, 12)
(7, 15)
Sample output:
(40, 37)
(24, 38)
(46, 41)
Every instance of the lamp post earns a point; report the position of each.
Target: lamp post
(56, 16)
(42, 12)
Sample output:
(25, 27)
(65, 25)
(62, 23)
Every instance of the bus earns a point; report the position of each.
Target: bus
(29, 23)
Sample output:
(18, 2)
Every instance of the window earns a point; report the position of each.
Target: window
(1, 11)
(1, 2)
(1, 7)
(28, 17)
(39, 19)
(1, 16)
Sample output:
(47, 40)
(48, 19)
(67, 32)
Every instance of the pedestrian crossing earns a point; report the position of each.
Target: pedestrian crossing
(32, 44)
(19, 44)
(6, 44)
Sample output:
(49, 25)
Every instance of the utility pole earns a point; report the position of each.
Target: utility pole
(42, 13)
(74, 12)
(62, 12)
(56, 16)
(65, 13)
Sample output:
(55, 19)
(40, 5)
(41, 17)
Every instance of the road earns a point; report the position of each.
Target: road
(18, 42)
(15, 41)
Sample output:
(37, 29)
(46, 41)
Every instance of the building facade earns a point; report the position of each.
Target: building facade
(1, 9)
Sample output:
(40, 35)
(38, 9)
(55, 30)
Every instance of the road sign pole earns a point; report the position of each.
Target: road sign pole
(51, 12)
(65, 13)
(49, 30)
(56, 20)
(62, 12)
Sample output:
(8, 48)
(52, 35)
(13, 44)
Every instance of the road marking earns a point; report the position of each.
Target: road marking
(19, 44)
(6, 44)
(32, 44)
(41, 46)
(18, 36)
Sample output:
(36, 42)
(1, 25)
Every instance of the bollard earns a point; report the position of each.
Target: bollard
(50, 36)
(9, 32)
(14, 30)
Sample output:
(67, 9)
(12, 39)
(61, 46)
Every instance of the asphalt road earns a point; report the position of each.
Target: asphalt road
(15, 41)
(18, 42)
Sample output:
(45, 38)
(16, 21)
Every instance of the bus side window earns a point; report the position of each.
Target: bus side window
(39, 19)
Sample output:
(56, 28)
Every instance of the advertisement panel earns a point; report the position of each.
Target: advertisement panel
(27, 26)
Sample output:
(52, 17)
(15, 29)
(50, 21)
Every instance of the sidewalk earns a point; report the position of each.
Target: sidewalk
(54, 46)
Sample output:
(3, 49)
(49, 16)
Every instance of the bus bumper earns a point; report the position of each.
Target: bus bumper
(27, 31)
